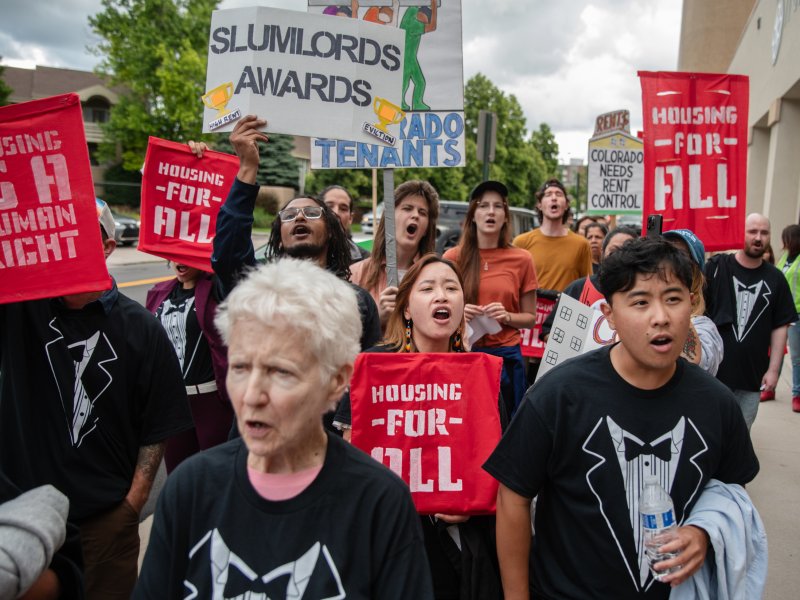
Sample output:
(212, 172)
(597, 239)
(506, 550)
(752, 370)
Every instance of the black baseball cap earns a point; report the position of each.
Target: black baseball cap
(488, 186)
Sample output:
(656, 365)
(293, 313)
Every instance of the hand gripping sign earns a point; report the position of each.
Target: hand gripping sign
(432, 419)
(181, 197)
(50, 241)
(695, 153)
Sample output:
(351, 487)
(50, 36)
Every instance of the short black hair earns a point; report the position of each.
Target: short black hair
(622, 229)
(643, 256)
(595, 225)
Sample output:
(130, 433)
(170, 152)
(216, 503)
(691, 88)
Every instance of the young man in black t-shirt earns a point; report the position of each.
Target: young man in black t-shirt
(584, 449)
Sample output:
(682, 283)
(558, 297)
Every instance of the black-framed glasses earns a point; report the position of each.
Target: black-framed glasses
(309, 212)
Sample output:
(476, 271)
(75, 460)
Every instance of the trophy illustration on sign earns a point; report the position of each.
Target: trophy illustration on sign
(217, 99)
(388, 113)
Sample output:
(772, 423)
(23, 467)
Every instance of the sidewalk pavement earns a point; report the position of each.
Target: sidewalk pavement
(130, 255)
(776, 489)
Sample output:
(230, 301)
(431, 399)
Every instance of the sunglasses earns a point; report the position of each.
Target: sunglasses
(288, 215)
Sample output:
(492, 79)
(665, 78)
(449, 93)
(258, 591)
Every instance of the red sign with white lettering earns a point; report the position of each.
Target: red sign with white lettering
(695, 153)
(530, 343)
(181, 197)
(50, 241)
(433, 420)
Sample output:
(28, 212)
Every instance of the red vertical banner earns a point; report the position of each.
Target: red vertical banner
(50, 242)
(181, 197)
(530, 341)
(695, 153)
(433, 419)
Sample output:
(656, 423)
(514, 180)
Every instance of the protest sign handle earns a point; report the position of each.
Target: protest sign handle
(374, 202)
(389, 230)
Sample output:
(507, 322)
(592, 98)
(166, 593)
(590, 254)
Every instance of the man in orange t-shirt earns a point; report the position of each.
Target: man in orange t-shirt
(560, 256)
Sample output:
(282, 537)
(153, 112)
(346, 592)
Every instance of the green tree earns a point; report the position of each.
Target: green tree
(5, 90)
(356, 181)
(277, 167)
(545, 143)
(517, 163)
(156, 50)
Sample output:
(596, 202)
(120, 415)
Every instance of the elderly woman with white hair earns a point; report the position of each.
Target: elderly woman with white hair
(288, 510)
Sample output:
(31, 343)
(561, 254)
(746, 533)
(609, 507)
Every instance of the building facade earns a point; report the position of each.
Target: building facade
(765, 47)
(97, 99)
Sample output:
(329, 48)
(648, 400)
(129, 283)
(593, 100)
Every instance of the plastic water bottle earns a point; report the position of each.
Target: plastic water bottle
(658, 523)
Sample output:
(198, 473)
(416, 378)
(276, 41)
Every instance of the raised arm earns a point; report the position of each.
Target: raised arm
(233, 245)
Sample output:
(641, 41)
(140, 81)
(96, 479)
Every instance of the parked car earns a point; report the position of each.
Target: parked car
(126, 229)
(368, 220)
(451, 221)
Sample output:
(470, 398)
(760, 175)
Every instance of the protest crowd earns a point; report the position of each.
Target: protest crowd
(250, 382)
(344, 423)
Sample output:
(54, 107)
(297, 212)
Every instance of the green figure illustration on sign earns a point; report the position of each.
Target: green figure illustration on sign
(416, 22)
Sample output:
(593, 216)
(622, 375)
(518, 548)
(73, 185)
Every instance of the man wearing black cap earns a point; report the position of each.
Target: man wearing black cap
(499, 284)
(91, 389)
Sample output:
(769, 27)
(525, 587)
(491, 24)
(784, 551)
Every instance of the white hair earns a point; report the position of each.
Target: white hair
(321, 308)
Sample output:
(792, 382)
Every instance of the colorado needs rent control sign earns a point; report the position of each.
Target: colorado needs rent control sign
(305, 74)
(616, 174)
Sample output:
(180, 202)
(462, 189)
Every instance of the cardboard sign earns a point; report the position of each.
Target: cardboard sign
(431, 128)
(50, 242)
(305, 74)
(616, 175)
(695, 162)
(181, 196)
(577, 328)
(432, 419)
(529, 341)
(618, 120)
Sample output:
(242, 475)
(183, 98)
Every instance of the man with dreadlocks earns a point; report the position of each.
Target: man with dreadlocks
(306, 228)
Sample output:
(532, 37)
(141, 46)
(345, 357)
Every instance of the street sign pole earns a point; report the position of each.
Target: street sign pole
(487, 138)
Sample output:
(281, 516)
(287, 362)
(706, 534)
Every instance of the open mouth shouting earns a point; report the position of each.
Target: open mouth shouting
(301, 231)
(441, 314)
(661, 342)
(412, 229)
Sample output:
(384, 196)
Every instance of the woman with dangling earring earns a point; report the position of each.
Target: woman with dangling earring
(499, 283)
(429, 317)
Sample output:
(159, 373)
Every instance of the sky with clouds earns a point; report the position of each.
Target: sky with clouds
(566, 62)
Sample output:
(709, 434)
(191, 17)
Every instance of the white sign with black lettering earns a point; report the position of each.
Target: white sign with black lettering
(306, 74)
(616, 175)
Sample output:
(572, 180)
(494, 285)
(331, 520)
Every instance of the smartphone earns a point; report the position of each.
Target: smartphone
(654, 224)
